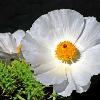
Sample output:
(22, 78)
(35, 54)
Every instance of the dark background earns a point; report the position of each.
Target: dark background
(20, 14)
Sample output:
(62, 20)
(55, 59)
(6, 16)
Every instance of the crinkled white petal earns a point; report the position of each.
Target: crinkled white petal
(90, 35)
(92, 60)
(3, 48)
(67, 86)
(52, 76)
(71, 84)
(44, 68)
(35, 53)
(81, 76)
(7, 43)
(81, 89)
(18, 35)
(61, 88)
(64, 24)
(89, 65)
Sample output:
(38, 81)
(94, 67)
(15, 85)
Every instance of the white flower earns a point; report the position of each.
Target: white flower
(10, 43)
(63, 48)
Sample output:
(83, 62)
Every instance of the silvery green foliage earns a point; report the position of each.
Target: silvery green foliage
(17, 81)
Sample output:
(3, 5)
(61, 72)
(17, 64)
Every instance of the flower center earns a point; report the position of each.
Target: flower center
(18, 49)
(66, 51)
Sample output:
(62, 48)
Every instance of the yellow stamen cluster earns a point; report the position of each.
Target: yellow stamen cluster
(66, 51)
(18, 49)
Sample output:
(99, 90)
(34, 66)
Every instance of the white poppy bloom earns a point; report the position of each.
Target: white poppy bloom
(10, 43)
(63, 48)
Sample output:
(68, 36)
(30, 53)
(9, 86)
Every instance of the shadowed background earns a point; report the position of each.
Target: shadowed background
(20, 14)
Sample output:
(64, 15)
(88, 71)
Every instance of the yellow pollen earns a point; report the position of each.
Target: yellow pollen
(66, 51)
(18, 49)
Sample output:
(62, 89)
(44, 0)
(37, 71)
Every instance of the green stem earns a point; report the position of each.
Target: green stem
(54, 97)
(19, 97)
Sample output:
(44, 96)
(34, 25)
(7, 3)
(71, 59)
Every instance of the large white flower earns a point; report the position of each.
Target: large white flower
(63, 48)
(10, 43)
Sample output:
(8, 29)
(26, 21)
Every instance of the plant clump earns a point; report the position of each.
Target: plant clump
(17, 82)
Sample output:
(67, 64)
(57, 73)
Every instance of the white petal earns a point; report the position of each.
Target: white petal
(60, 87)
(70, 87)
(54, 76)
(81, 89)
(67, 86)
(81, 76)
(89, 65)
(94, 54)
(34, 52)
(90, 35)
(92, 59)
(3, 48)
(58, 24)
(44, 68)
(7, 43)
(18, 35)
